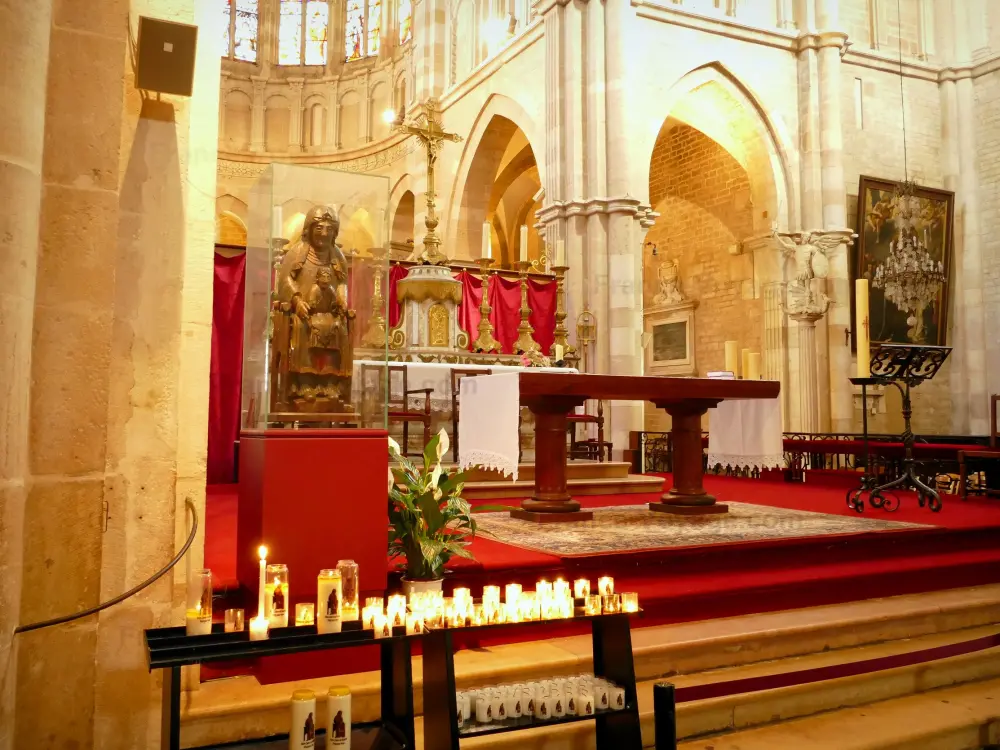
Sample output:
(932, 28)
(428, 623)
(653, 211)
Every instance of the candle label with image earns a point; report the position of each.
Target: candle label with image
(329, 600)
(303, 730)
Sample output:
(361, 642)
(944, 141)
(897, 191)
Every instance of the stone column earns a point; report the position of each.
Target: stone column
(830, 41)
(71, 353)
(24, 37)
(808, 376)
(366, 107)
(786, 14)
(768, 265)
(429, 44)
(295, 114)
(257, 115)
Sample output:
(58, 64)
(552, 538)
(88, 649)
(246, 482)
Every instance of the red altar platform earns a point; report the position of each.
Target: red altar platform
(313, 497)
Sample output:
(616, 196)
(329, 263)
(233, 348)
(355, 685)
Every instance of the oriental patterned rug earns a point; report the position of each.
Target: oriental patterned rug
(634, 528)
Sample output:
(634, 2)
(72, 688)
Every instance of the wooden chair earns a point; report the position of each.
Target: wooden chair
(989, 455)
(456, 377)
(398, 400)
(588, 448)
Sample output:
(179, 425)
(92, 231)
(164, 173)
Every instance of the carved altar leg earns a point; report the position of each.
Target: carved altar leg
(551, 501)
(687, 496)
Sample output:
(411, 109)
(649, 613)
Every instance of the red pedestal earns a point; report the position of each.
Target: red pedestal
(313, 497)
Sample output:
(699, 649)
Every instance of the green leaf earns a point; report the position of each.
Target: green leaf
(430, 452)
(431, 512)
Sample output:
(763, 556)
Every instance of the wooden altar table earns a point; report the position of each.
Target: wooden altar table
(552, 396)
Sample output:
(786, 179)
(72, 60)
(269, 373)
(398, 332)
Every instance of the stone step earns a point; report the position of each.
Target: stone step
(505, 489)
(574, 470)
(226, 710)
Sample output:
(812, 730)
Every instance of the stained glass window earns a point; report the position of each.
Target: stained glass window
(239, 29)
(374, 26)
(317, 24)
(405, 21)
(290, 33)
(354, 30)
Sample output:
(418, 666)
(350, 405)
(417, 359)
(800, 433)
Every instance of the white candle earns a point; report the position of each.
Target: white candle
(302, 734)
(382, 626)
(861, 328)
(560, 253)
(581, 588)
(745, 362)
(512, 594)
(487, 240)
(560, 589)
(605, 585)
(559, 352)
(338, 718)
(733, 357)
(277, 222)
(262, 551)
(258, 628)
(197, 623)
(329, 601)
(753, 370)
(414, 624)
(524, 243)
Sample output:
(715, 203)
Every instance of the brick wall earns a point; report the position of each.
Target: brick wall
(703, 196)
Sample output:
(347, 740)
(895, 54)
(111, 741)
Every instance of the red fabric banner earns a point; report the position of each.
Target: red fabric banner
(226, 372)
(542, 301)
(468, 308)
(396, 273)
(505, 299)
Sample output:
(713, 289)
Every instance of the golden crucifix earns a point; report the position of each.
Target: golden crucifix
(431, 134)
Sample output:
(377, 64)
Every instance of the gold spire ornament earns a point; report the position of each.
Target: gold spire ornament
(485, 343)
(375, 335)
(526, 343)
(431, 135)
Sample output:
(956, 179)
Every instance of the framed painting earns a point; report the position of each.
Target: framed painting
(904, 249)
(669, 339)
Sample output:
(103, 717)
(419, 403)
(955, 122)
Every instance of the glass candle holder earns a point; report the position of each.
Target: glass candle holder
(560, 588)
(434, 615)
(542, 588)
(234, 621)
(491, 595)
(630, 601)
(375, 601)
(605, 585)
(531, 608)
(349, 580)
(414, 624)
(305, 613)
(199, 609)
(329, 601)
(478, 616)
(382, 626)
(396, 610)
(612, 604)
(461, 594)
(258, 628)
(581, 588)
(368, 617)
(276, 595)
(592, 604)
(512, 594)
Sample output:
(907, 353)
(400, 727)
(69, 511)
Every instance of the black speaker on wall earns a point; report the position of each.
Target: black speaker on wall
(165, 56)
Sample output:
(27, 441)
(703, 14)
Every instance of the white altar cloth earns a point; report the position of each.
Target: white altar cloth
(746, 434)
(488, 424)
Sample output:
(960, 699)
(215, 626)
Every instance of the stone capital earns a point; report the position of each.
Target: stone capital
(615, 205)
(820, 39)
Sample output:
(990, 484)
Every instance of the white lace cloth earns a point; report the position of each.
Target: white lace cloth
(488, 422)
(746, 434)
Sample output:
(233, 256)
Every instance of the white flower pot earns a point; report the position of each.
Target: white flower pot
(419, 587)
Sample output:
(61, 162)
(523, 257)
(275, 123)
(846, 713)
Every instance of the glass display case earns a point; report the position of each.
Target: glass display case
(316, 310)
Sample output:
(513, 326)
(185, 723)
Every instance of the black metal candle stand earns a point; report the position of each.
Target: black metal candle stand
(902, 366)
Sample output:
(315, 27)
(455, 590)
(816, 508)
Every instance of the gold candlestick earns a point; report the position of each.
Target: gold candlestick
(375, 336)
(562, 335)
(485, 341)
(525, 342)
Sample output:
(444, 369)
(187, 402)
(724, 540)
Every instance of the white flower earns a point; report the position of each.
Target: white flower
(391, 480)
(436, 475)
(394, 447)
(443, 444)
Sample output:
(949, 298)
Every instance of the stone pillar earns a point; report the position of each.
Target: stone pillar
(70, 371)
(295, 114)
(786, 14)
(366, 107)
(24, 37)
(317, 127)
(835, 376)
(429, 44)
(808, 376)
(257, 115)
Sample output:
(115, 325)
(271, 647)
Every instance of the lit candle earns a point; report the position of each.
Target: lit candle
(560, 253)
(396, 610)
(199, 611)
(605, 585)
(414, 624)
(630, 601)
(542, 588)
(524, 244)
(592, 604)
(277, 222)
(487, 240)
(305, 613)
(612, 604)
(461, 595)
(753, 371)
(258, 628)
(368, 617)
(234, 621)
(745, 362)
(276, 591)
(560, 589)
(581, 588)
(197, 623)
(732, 358)
(512, 594)
(262, 551)
(861, 328)
(382, 627)
(478, 616)
(491, 595)
(348, 570)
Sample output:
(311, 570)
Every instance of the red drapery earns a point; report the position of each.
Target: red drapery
(505, 299)
(226, 371)
(396, 273)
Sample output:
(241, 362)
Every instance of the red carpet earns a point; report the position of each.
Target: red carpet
(695, 583)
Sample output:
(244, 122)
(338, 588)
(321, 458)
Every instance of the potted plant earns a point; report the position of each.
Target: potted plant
(429, 521)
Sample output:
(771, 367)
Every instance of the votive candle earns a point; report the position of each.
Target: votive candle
(414, 624)
(478, 616)
(560, 589)
(592, 604)
(305, 613)
(381, 626)
(605, 585)
(234, 621)
(512, 594)
(368, 617)
(329, 601)
(543, 587)
(630, 601)
(276, 595)
(491, 594)
(258, 628)
(612, 604)
(581, 588)
(349, 580)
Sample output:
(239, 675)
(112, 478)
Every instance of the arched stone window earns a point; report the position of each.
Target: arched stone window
(362, 29)
(405, 11)
(240, 26)
(303, 32)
